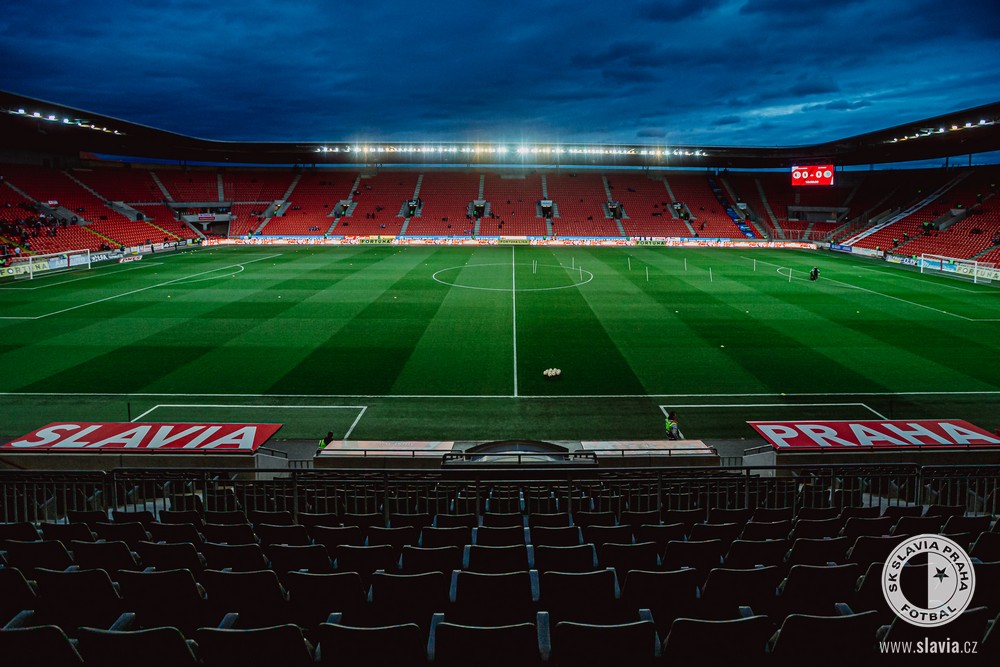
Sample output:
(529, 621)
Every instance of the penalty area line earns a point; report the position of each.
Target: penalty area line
(360, 408)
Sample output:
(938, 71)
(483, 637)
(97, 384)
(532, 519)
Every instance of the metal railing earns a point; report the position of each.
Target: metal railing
(37, 496)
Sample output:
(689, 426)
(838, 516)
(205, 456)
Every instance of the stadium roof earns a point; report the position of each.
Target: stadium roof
(35, 125)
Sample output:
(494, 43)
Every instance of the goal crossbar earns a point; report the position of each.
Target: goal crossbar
(30, 266)
(956, 267)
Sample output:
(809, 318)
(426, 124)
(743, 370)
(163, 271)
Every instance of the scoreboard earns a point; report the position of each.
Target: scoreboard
(816, 174)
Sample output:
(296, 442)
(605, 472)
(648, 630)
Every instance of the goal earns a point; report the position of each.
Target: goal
(965, 269)
(32, 266)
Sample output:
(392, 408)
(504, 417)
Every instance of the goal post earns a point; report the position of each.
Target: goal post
(31, 266)
(955, 267)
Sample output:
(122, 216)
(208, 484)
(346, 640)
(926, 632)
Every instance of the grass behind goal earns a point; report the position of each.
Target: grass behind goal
(450, 343)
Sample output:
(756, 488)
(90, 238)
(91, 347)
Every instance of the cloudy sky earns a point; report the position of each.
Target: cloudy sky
(723, 72)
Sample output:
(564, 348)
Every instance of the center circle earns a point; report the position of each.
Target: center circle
(541, 277)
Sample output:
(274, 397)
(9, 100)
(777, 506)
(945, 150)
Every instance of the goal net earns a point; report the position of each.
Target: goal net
(33, 266)
(965, 269)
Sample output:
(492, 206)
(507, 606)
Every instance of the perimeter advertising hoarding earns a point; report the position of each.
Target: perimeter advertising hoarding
(816, 174)
(883, 435)
(144, 437)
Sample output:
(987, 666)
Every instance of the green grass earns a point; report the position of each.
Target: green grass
(424, 340)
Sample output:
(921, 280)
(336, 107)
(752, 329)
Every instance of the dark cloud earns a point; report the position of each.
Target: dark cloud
(721, 71)
(839, 105)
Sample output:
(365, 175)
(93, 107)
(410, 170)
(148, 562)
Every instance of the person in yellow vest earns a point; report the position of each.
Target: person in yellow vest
(325, 441)
(673, 430)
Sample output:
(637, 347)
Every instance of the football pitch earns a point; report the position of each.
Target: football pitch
(447, 343)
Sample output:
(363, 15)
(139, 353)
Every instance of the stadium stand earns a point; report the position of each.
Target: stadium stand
(580, 199)
(380, 198)
(707, 216)
(446, 198)
(732, 581)
(513, 205)
(190, 186)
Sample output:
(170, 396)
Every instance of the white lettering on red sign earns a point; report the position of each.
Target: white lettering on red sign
(875, 434)
(146, 437)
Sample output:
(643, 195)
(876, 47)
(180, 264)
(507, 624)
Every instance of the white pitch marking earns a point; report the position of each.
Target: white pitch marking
(513, 296)
(361, 410)
(502, 396)
(663, 408)
(141, 289)
(66, 282)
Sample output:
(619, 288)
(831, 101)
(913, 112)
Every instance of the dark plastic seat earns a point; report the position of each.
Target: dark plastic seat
(42, 645)
(721, 515)
(109, 556)
(549, 520)
(413, 598)
(258, 597)
(130, 532)
(606, 534)
(775, 530)
(687, 517)
(812, 589)
(724, 532)
(365, 560)
(945, 510)
(815, 529)
(155, 647)
(703, 556)
(850, 638)
(868, 550)
(165, 598)
(499, 537)
(495, 560)
(67, 532)
(816, 513)
(897, 512)
(966, 524)
(917, 525)
(227, 517)
(660, 534)
(551, 536)
(492, 599)
(21, 531)
(16, 594)
(726, 590)
(75, 598)
(500, 519)
(579, 558)
(697, 641)
(818, 551)
(89, 517)
(340, 644)
(586, 597)
(668, 595)
(332, 537)
(396, 538)
(411, 520)
(313, 519)
(446, 537)
(626, 557)
(175, 532)
(585, 519)
(309, 558)
(229, 533)
(277, 645)
(986, 547)
(745, 554)
(575, 644)
(363, 521)
(171, 556)
(27, 556)
(291, 535)
(270, 518)
(456, 520)
(141, 516)
(771, 514)
(635, 519)
(462, 645)
(313, 597)
(417, 560)
(193, 517)
(237, 557)
(856, 527)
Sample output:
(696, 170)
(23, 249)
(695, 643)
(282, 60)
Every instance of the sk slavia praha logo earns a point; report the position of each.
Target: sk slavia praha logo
(928, 580)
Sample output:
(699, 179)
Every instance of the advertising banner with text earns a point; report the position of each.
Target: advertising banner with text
(885, 434)
(134, 437)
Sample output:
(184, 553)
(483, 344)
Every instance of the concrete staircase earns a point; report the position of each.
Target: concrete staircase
(161, 186)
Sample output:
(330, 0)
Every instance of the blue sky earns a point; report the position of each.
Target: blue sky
(720, 72)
